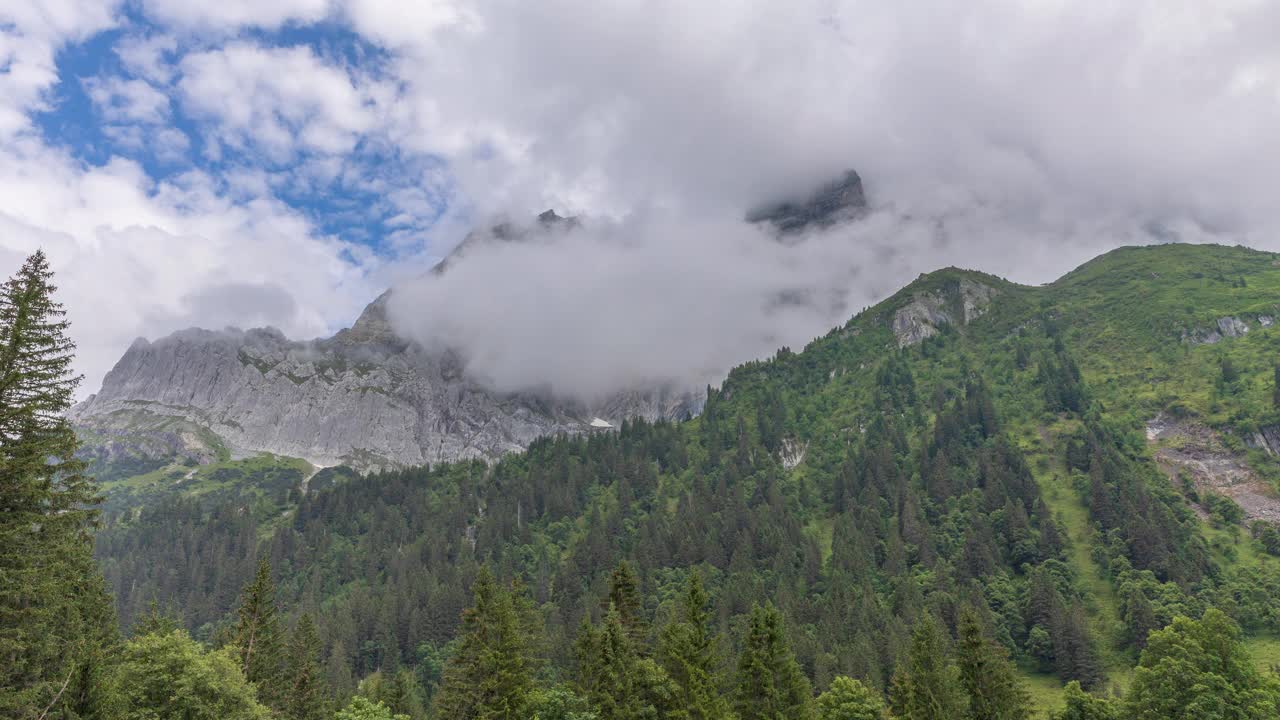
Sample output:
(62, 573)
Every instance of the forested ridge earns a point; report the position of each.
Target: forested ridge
(948, 529)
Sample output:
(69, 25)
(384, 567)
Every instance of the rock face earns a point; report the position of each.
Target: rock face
(835, 202)
(1223, 328)
(926, 313)
(1190, 452)
(364, 397)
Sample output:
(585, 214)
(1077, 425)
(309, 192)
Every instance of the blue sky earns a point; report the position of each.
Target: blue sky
(379, 196)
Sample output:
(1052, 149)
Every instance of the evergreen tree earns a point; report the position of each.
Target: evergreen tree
(771, 685)
(995, 692)
(57, 627)
(624, 595)
(621, 684)
(928, 688)
(490, 675)
(688, 651)
(307, 697)
(399, 691)
(848, 699)
(257, 637)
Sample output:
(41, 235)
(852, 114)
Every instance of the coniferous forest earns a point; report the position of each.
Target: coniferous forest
(972, 527)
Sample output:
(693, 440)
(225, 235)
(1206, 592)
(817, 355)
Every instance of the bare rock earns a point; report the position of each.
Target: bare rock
(927, 312)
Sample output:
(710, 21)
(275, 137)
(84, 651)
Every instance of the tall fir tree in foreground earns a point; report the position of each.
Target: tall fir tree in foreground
(307, 696)
(688, 650)
(994, 689)
(258, 638)
(490, 676)
(928, 687)
(57, 627)
(771, 685)
(619, 682)
(624, 595)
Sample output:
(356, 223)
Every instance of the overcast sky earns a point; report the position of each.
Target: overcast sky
(251, 162)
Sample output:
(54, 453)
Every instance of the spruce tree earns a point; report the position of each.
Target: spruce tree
(771, 685)
(928, 687)
(490, 675)
(621, 684)
(307, 697)
(624, 594)
(995, 692)
(688, 651)
(257, 637)
(57, 627)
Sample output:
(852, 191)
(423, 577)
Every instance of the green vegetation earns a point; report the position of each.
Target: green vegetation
(961, 528)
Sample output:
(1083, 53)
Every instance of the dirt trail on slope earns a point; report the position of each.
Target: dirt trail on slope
(1187, 448)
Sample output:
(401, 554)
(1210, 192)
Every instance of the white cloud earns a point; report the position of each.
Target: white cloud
(1017, 137)
(134, 258)
(234, 14)
(149, 57)
(30, 35)
(280, 100)
(121, 100)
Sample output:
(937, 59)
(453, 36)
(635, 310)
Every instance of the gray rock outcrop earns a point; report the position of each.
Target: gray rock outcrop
(837, 201)
(926, 313)
(364, 397)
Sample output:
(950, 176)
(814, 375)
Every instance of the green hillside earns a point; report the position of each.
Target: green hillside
(1077, 464)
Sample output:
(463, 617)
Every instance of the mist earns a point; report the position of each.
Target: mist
(664, 300)
(1017, 139)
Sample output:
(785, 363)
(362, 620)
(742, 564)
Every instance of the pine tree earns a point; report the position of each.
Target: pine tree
(307, 697)
(771, 685)
(688, 651)
(490, 675)
(624, 594)
(257, 637)
(57, 627)
(995, 692)
(621, 684)
(928, 688)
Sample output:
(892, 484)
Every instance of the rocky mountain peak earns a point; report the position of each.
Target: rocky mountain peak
(834, 202)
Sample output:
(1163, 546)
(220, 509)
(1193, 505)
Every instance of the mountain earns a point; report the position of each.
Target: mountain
(1079, 463)
(365, 398)
(834, 202)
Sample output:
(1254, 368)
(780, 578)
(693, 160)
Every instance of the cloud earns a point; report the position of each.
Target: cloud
(235, 14)
(278, 100)
(121, 100)
(133, 257)
(30, 35)
(1015, 137)
(1018, 138)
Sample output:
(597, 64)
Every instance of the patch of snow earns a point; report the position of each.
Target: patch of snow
(600, 423)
